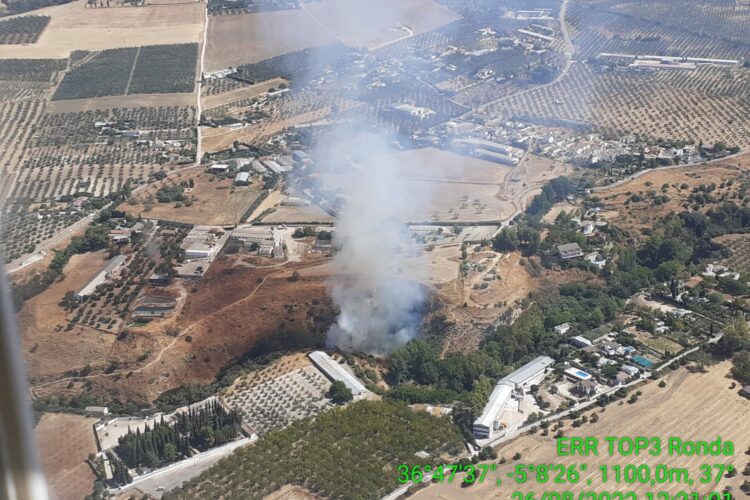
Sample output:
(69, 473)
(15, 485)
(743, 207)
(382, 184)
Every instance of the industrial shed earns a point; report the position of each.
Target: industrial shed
(335, 371)
(517, 382)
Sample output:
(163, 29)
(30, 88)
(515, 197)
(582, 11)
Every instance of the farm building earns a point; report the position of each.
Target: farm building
(273, 166)
(261, 238)
(242, 179)
(415, 111)
(495, 157)
(529, 374)
(301, 156)
(112, 267)
(534, 34)
(562, 329)
(198, 251)
(258, 167)
(219, 168)
(569, 251)
(581, 342)
(335, 371)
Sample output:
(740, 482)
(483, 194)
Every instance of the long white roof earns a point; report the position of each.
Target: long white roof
(504, 389)
(335, 371)
(495, 405)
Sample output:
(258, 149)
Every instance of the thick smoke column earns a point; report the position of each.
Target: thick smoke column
(379, 304)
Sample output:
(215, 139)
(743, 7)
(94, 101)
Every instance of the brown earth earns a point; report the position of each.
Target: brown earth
(232, 96)
(75, 27)
(691, 407)
(641, 214)
(51, 351)
(234, 306)
(65, 442)
(216, 200)
(359, 23)
(248, 38)
(122, 101)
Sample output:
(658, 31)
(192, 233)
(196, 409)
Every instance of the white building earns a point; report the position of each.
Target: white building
(242, 179)
(562, 329)
(516, 383)
(335, 371)
(199, 251)
(112, 267)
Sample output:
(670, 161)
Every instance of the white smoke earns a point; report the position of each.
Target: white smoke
(375, 283)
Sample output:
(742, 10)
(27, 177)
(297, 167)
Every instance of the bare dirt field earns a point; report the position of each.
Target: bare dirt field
(359, 23)
(215, 201)
(75, 27)
(248, 38)
(691, 407)
(125, 101)
(301, 215)
(450, 187)
(677, 184)
(65, 442)
(220, 138)
(232, 96)
(47, 348)
(235, 306)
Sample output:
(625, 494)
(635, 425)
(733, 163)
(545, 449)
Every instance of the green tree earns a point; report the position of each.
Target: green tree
(339, 393)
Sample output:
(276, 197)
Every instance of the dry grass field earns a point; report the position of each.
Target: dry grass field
(75, 27)
(359, 23)
(249, 38)
(215, 201)
(65, 442)
(235, 306)
(668, 182)
(124, 101)
(691, 406)
(49, 350)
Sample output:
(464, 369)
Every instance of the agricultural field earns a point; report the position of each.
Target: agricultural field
(739, 246)
(308, 451)
(272, 398)
(596, 30)
(74, 26)
(66, 156)
(155, 69)
(663, 411)
(214, 201)
(250, 38)
(722, 19)
(22, 30)
(708, 104)
(357, 25)
(229, 7)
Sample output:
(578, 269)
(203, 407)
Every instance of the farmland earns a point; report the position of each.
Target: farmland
(249, 38)
(21, 30)
(706, 104)
(73, 27)
(67, 156)
(662, 411)
(213, 201)
(155, 69)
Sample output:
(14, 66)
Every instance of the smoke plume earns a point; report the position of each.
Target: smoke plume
(375, 282)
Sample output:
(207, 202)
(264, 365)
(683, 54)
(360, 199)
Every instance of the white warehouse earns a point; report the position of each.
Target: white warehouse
(516, 383)
(335, 371)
